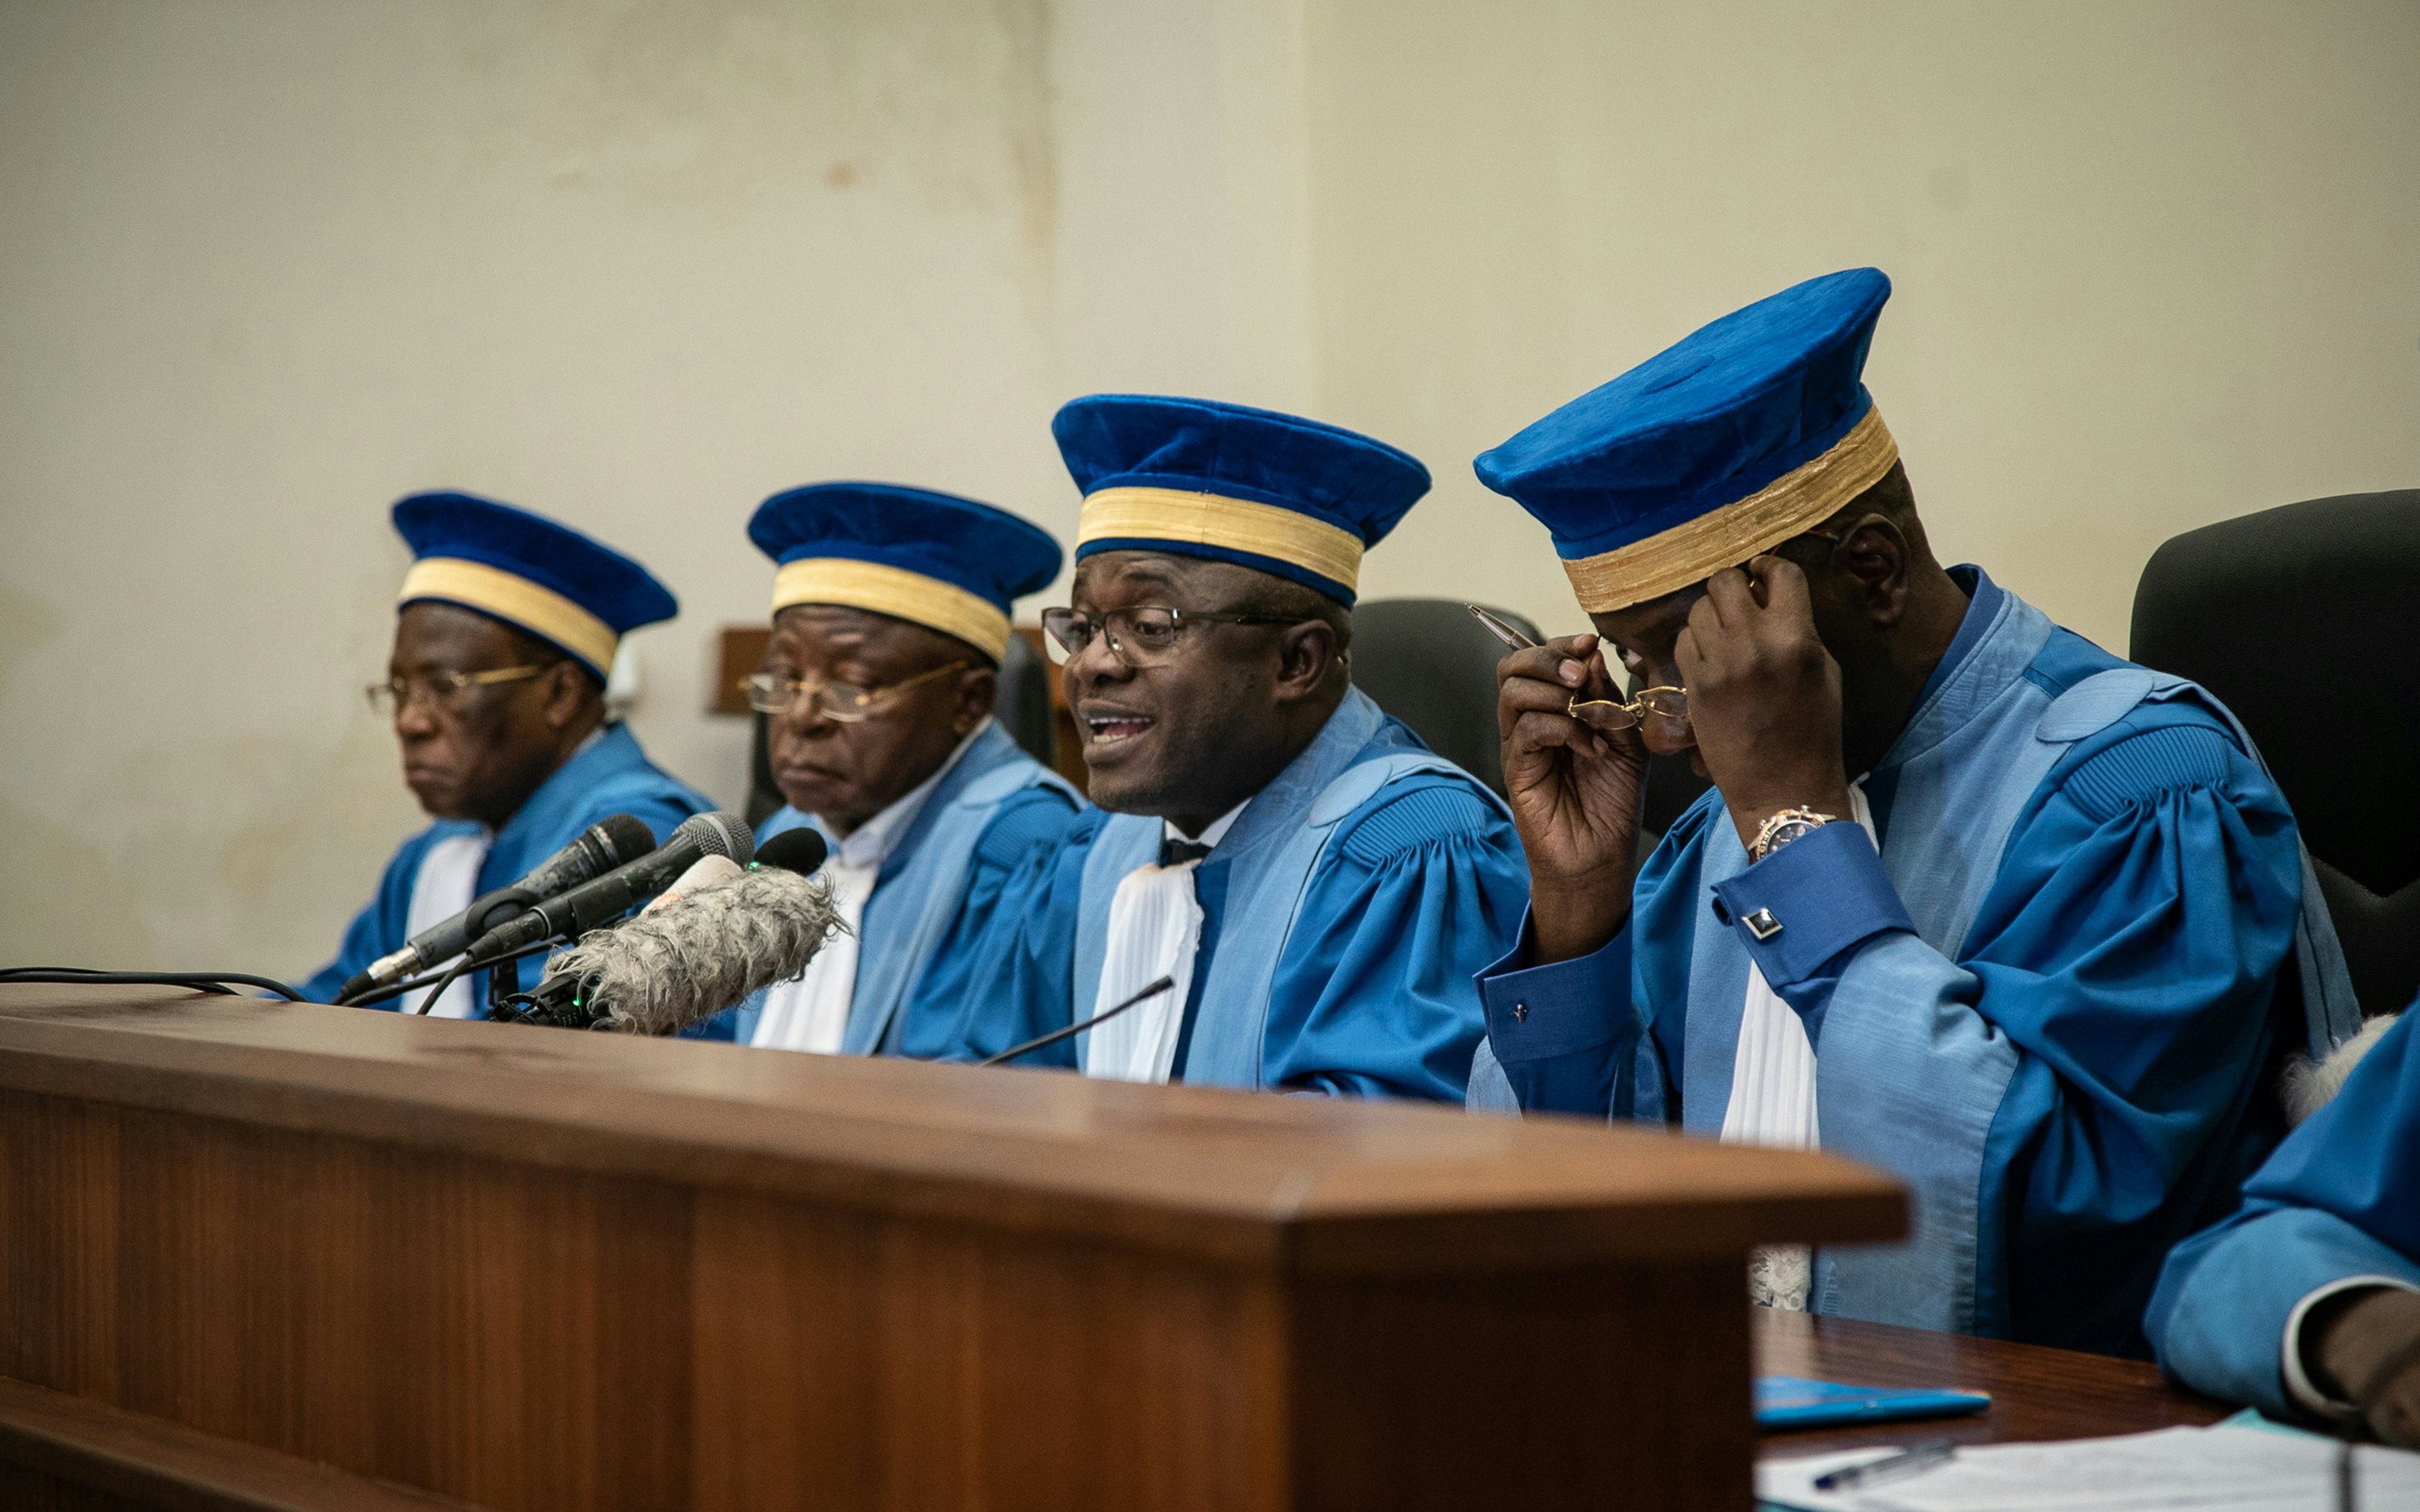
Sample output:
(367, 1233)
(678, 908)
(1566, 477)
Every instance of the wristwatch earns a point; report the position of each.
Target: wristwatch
(1785, 827)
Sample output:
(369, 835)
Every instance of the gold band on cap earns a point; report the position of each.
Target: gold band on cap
(508, 597)
(1695, 550)
(896, 592)
(1214, 519)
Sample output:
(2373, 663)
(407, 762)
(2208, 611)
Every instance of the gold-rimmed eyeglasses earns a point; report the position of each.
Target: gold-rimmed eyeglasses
(842, 702)
(1668, 706)
(444, 690)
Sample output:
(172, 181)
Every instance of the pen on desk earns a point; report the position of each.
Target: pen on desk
(1890, 1467)
(1512, 638)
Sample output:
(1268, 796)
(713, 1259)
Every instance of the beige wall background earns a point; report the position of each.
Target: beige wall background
(267, 264)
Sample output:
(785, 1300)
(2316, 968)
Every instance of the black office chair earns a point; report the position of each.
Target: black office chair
(1428, 663)
(1023, 710)
(2305, 620)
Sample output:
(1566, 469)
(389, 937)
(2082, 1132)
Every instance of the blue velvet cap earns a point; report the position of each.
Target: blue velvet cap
(529, 571)
(1194, 477)
(1743, 434)
(950, 564)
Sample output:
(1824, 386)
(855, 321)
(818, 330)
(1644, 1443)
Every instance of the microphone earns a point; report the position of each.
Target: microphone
(792, 850)
(1164, 984)
(605, 899)
(688, 960)
(602, 846)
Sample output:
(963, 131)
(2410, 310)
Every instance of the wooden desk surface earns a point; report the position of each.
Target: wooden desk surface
(1305, 1184)
(540, 1271)
(2037, 1393)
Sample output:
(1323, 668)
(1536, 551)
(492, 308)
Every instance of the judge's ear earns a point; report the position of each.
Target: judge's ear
(1308, 656)
(977, 695)
(1869, 567)
(570, 690)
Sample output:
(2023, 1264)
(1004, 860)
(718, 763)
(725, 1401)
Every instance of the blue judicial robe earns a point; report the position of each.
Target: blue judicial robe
(2339, 1200)
(608, 775)
(943, 879)
(2050, 1004)
(1345, 912)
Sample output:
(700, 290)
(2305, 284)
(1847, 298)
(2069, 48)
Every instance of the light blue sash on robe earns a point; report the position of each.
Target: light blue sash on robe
(1276, 844)
(920, 888)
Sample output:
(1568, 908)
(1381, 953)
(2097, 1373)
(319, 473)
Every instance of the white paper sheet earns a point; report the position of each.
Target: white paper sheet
(2222, 1469)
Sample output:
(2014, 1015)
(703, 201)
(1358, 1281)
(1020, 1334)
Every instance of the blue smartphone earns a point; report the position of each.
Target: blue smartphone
(1794, 1402)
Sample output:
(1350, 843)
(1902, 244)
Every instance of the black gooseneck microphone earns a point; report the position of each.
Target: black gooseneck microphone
(1164, 984)
(610, 842)
(601, 901)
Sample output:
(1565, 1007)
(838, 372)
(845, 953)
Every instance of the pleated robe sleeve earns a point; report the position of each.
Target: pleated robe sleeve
(2338, 1204)
(956, 1015)
(1375, 995)
(2105, 1035)
(378, 928)
(1008, 965)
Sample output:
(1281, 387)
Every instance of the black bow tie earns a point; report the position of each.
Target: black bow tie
(1175, 852)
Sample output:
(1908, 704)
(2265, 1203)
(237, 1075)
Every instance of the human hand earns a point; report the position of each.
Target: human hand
(1764, 695)
(1575, 794)
(2365, 1351)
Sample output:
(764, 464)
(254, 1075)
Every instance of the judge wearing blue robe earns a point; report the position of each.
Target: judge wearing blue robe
(2306, 1303)
(1317, 886)
(891, 614)
(506, 629)
(2040, 959)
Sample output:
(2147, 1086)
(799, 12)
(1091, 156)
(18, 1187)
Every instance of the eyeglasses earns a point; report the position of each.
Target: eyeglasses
(444, 690)
(1668, 706)
(841, 702)
(1144, 636)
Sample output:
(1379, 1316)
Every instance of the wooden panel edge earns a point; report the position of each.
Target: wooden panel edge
(151, 1461)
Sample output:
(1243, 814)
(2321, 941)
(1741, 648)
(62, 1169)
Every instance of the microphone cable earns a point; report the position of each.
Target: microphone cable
(1163, 985)
(208, 982)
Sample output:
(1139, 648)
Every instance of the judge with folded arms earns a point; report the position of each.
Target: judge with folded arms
(506, 629)
(2306, 1303)
(1971, 899)
(890, 613)
(1316, 883)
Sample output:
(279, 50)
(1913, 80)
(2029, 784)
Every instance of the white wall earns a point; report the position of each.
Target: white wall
(265, 266)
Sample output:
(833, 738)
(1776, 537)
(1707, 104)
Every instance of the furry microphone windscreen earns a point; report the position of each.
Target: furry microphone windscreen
(665, 971)
(2308, 1088)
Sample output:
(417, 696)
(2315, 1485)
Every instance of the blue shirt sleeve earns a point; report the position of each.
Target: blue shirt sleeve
(1375, 995)
(1801, 908)
(1565, 1034)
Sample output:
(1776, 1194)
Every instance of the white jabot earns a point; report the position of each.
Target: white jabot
(1772, 1104)
(1155, 931)
(446, 882)
(811, 1013)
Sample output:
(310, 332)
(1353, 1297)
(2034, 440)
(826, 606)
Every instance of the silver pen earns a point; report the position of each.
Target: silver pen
(1512, 638)
(1888, 1468)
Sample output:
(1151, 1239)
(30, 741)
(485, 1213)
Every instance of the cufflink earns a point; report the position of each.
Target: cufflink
(1762, 924)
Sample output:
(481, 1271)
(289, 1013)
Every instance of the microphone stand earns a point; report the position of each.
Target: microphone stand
(1162, 985)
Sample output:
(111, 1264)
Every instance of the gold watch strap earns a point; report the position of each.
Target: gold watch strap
(1765, 832)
